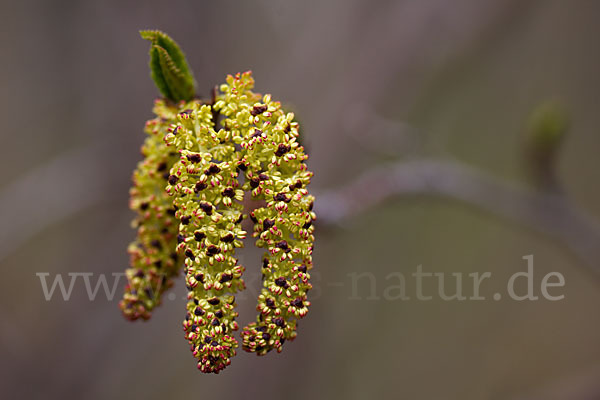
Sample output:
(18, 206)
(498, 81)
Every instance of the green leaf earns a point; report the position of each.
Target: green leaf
(169, 68)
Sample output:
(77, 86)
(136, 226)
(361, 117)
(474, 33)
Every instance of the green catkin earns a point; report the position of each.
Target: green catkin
(153, 261)
(205, 189)
(199, 160)
(275, 173)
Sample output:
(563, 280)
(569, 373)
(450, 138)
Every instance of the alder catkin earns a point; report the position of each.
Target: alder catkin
(200, 158)
(153, 260)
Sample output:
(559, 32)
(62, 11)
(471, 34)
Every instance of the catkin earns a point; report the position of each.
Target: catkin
(206, 194)
(153, 260)
(200, 160)
(275, 173)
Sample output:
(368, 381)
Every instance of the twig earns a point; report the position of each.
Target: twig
(379, 135)
(75, 181)
(550, 213)
(72, 182)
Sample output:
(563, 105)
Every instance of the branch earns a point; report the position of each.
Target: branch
(550, 213)
(51, 192)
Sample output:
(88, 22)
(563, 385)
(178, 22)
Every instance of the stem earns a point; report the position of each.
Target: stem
(550, 213)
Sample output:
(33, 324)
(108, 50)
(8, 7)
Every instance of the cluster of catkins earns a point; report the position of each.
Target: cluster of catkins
(200, 160)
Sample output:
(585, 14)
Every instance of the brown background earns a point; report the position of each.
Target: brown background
(463, 75)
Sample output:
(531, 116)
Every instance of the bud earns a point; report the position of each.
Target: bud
(546, 129)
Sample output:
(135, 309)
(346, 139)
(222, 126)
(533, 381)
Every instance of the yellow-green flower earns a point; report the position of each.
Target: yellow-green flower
(153, 260)
(205, 189)
(200, 158)
(275, 173)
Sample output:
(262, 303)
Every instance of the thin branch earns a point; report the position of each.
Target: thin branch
(552, 214)
(379, 135)
(51, 192)
(75, 181)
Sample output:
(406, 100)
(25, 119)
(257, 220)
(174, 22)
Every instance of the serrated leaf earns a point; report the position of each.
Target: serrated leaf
(169, 68)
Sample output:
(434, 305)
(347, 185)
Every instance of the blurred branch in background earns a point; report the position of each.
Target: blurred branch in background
(545, 208)
(64, 186)
(83, 176)
(547, 212)
(379, 135)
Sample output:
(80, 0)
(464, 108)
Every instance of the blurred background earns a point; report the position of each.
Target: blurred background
(372, 84)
